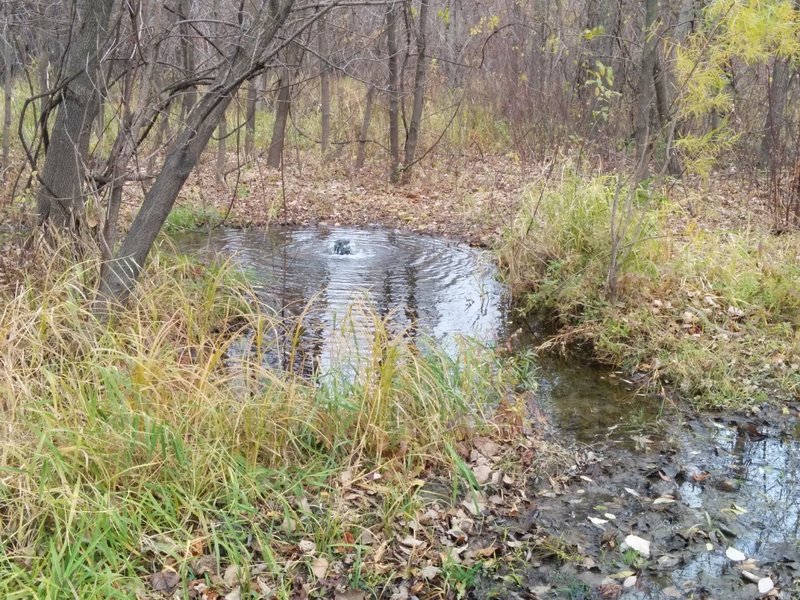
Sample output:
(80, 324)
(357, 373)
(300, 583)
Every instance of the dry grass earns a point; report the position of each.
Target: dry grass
(133, 450)
(714, 312)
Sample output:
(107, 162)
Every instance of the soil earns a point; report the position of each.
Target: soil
(716, 498)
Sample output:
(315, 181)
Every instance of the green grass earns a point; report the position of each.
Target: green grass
(714, 314)
(185, 217)
(130, 446)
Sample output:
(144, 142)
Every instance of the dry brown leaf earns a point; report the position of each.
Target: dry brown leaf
(165, 580)
(319, 567)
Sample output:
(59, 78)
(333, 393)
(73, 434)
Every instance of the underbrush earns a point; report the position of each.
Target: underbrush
(715, 314)
(191, 218)
(139, 461)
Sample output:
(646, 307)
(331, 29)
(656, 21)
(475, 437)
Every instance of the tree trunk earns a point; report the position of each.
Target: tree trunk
(362, 135)
(60, 197)
(122, 152)
(222, 147)
(117, 281)
(283, 104)
(644, 134)
(419, 91)
(187, 56)
(777, 92)
(8, 82)
(394, 93)
(182, 156)
(250, 120)
(673, 162)
(325, 85)
(43, 75)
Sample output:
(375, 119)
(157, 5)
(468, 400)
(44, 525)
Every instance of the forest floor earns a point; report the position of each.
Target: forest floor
(470, 198)
(691, 489)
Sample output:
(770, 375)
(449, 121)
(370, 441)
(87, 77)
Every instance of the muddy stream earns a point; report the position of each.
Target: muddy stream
(717, 497)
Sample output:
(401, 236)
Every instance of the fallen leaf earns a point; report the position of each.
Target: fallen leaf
(350, 595)
(411, 542)
(234, 594)
(641, 545)
(196, 547)
(307, 546)
(319, 567)
(231, 576)
(487, 447)
(598, 522)
(663, 500)
(609, 591)
(165, 581)
(667, 562)
(751, 577)
(482, 473)
(623, 574)
(734, 554)
(487, 552)
(765, 585)
(429, 572)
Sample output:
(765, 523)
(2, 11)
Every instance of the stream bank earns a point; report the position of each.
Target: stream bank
(691, 485)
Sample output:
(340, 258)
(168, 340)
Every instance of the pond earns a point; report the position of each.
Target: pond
(723, 482)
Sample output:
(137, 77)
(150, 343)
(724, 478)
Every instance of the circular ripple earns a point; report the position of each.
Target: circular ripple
(421, 285)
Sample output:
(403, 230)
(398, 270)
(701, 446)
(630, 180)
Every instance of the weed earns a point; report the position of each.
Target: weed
(569, 586)
(712, 313)
(459, 578)
(191, 218)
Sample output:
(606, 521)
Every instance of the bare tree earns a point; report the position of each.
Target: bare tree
(393, 89)
(325, 85)
(420, 86)
(254, 47)
(364, 131)
(60, 199)
(250, 120)
(8, 84)
(283, 105)
(647, 92)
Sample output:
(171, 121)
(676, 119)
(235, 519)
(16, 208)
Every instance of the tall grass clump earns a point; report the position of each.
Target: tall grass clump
(712, 313)
(135, 444)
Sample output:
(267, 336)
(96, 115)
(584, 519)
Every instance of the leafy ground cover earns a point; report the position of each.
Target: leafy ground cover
(471, 200)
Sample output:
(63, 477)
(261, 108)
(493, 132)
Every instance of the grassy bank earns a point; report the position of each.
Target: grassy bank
(136, 463)
(713, 312)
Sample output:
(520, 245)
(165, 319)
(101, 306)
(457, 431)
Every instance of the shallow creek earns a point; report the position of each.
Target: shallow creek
(719, 482)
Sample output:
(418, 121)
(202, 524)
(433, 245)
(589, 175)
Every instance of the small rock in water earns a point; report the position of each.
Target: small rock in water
(342, 247)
